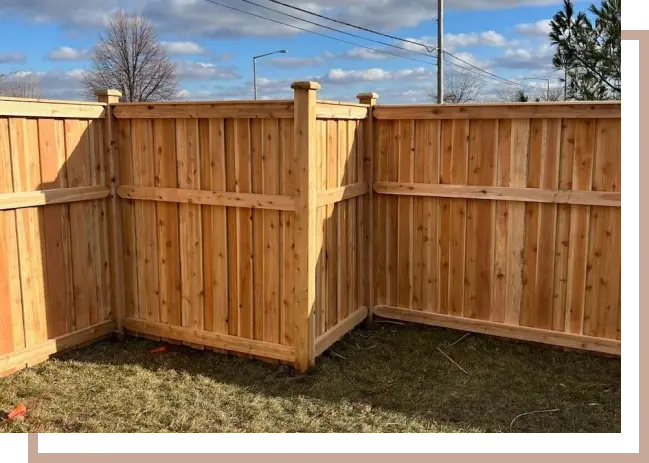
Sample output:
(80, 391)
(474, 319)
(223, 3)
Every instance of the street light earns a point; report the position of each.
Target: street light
(540, 78)
(254, 67)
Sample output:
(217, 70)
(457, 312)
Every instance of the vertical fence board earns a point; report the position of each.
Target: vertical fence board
(12, 330)
(501, 276)
(518, 163)
(547, 216)
(405, 219)
(562, 241)
(480, 221)
(164, 139)
(29, 228)
(232, 168)
(271, 169)
(100, 210)
(605, 235)
(145, 216)
(380, 214)
(244, 185)
(351, 173)
(392, 215)
(191, 258)
(56, 221)
(287, 226)
(321, 232)
(258, 230)
(582, 173)
(343, 246)
(125, 150)
(331, 234)
(459, 137)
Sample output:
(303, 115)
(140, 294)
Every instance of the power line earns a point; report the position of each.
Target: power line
(316, 33)
(336, 30)
(429, 49)
(376, 50)
(486, 72)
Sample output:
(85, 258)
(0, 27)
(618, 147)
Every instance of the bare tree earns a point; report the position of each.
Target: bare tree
(554, 94)
(129, 58)
(20, 85)
(460, 87)
(516, 94)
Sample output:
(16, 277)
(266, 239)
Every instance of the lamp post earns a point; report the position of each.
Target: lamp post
(254, 68)
(541, 78)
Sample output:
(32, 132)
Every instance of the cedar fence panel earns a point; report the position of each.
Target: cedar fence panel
(509, 226)
(55, 281)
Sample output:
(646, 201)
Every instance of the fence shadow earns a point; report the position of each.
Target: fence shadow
(55, 265)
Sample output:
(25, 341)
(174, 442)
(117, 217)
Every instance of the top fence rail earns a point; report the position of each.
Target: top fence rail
(554, 110)
(32, 107)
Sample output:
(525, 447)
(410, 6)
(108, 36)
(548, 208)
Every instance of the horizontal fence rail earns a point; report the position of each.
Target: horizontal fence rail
(534, 195)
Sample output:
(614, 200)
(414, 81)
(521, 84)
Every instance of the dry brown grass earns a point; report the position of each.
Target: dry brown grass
(385, 378)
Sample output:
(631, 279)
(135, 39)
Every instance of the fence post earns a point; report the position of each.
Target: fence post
(305, 208)
(111, 97)
(368, 210)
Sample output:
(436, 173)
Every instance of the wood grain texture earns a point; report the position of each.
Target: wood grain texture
(305, 210)
(30, 230)
(12, 330)
(593, 110)
(58, 255)
(168, 240)
(191, 258)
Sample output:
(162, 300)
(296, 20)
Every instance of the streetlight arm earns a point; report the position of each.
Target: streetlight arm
(267, 54)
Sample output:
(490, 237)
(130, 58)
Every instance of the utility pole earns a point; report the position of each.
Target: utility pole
(440, 51)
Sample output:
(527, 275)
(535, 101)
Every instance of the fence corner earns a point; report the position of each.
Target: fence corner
(305, 214)
(111, 97)
(368, 174)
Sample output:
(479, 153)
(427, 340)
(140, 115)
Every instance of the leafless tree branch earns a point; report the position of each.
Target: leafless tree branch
(129, 58)
(20, 85)
(460, 87)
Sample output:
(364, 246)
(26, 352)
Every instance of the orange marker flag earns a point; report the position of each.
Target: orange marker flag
(158, 349)
(20, 410)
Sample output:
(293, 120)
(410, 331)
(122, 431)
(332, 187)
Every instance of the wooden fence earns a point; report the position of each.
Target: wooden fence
(503, 219)
(55, 281)
(273, 228)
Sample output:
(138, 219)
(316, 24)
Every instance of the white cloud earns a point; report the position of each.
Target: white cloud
(526, 58)
(198, 17)
(197, 70)
(341, 76)
(183, 48)
(293, 62)
(539, 28)
(364, 54)
(68, 54)
(65, 85)
(12, 58)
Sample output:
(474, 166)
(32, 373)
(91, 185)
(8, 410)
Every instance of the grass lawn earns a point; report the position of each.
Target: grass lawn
(384, 378)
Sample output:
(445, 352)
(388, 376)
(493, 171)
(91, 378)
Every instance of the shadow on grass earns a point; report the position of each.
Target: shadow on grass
(384, 378)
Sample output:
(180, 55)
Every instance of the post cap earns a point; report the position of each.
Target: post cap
(305, 85)
(368, 96)
(108, 92)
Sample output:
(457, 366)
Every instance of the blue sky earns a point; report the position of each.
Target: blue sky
(213, 46)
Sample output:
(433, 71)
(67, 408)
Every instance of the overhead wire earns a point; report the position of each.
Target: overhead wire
(314, 32)
(487, 75)
(429, 48)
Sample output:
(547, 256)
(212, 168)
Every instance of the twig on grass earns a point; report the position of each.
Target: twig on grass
(391, 322)
(453, 361)
(531, 413)
(454, 343)
(336, 354)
